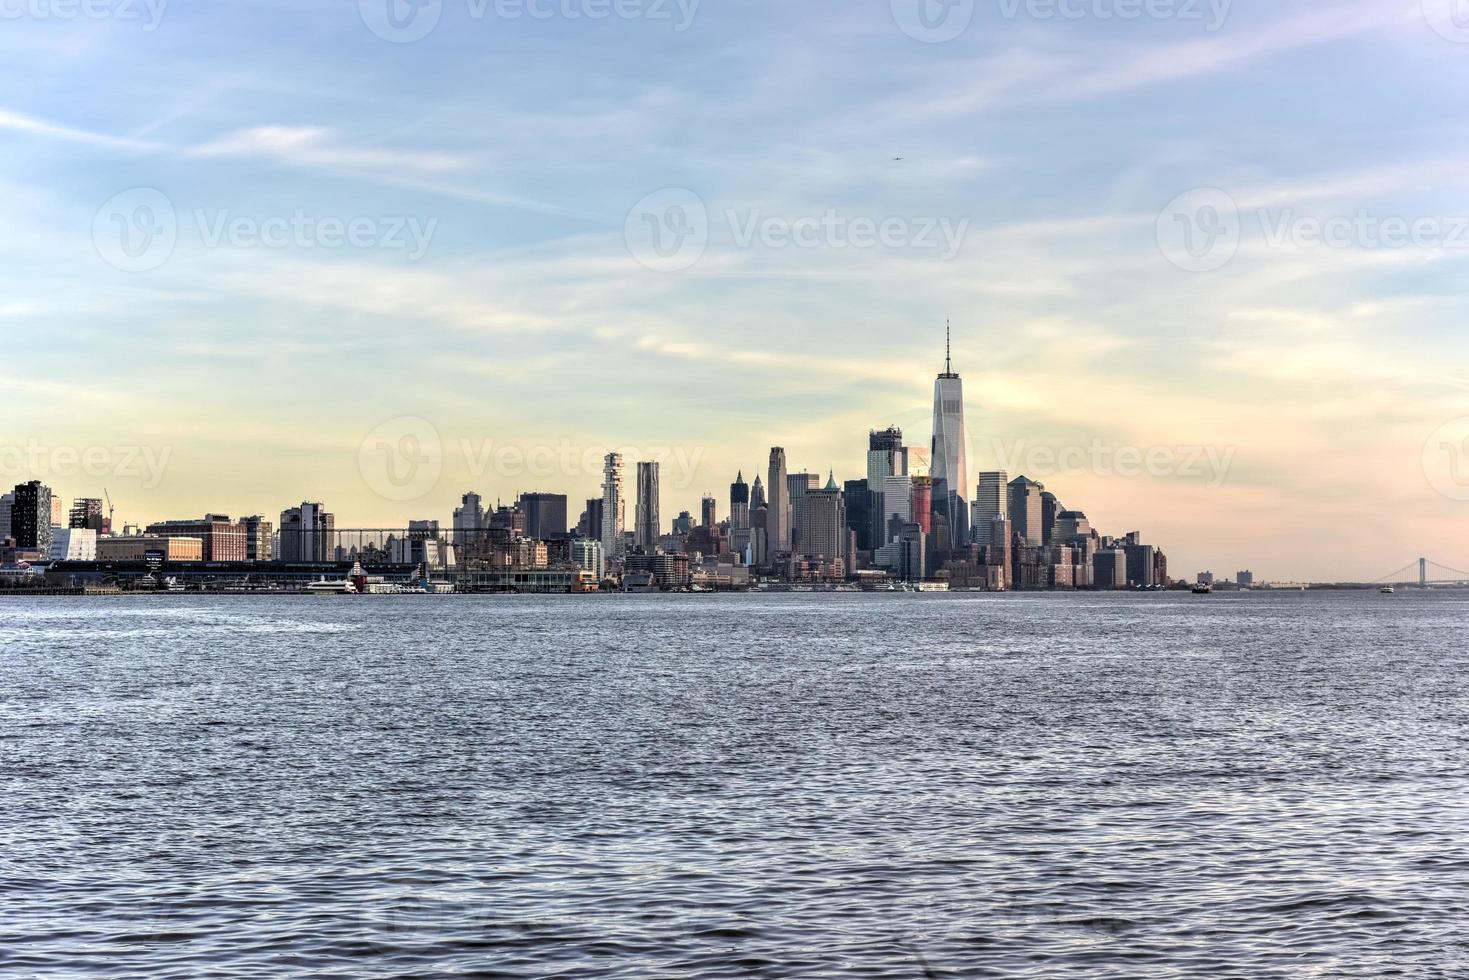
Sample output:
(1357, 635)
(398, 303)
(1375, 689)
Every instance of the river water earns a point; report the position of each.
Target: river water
(1100, 786)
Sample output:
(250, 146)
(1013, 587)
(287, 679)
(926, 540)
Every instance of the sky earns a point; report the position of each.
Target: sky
(1204, 261)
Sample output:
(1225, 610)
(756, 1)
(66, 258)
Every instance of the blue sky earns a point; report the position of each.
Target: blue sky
(498, 170)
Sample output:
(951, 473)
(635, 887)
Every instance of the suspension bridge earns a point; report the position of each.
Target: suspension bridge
(1424, 566)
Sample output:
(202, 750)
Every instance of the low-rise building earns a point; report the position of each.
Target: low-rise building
(143, 546)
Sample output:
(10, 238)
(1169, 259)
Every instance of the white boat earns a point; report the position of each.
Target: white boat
(323, 587)
(1387, 590)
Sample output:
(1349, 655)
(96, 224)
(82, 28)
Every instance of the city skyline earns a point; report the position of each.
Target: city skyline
(1293, 382)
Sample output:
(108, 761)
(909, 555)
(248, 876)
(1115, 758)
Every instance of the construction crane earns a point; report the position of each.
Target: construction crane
(109, 509)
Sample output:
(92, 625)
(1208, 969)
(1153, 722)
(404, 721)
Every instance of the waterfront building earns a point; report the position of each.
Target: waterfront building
(307, 533)
(669, 571)
(778, 513)
(223, 540)
(1206, 578)
(586, 554)
(31, 517)
(1024, 506)
(1245, 580)
(142, 547)
(73, 544)
(259, 538)
(1142, 570)
(614, 514)
(647, 525)
(7, 503)
(469, 519)
(950, 467)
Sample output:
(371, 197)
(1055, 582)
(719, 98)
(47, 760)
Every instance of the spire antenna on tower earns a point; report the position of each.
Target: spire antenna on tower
(948, 365)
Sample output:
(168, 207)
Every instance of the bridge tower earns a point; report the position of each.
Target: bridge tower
(1422, 573)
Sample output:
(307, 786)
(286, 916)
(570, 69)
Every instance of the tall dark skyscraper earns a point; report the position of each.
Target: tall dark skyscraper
(30, 517)
(591, 527)
(708, 509)
(545, 515)
(950, 469)
(649, 525)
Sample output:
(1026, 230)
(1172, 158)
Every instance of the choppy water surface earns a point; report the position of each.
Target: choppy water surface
(1103, 786)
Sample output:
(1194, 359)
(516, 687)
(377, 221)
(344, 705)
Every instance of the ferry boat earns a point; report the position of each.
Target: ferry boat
(323, 587)
(1387, 590)
(1203, 588)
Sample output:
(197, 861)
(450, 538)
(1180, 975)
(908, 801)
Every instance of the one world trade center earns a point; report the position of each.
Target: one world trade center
(950, 469)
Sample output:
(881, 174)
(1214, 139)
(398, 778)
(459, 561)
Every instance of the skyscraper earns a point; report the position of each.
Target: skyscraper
(991, 504)
(739, 514)
(778, 516)
(822, 527)
(469, 519)
(708, 512)
(950, 470)
(757, 494)
(614, 513)
(30, 517)
(886, 456)
(647, 526)
(307, 534)
(545, 515)
(1025, 509)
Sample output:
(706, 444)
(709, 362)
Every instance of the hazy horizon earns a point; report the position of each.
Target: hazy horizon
(1219, 248)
